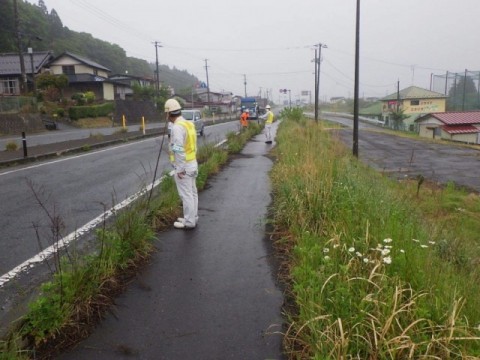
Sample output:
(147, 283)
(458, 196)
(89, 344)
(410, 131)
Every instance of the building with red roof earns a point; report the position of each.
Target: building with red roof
(462, 126)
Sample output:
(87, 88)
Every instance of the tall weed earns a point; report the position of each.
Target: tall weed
(366, 279)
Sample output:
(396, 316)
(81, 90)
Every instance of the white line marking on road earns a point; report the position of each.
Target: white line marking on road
(73, 157)
(62, 243)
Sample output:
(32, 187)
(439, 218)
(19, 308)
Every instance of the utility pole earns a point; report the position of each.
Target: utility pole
(317, 80)
(208, 85)
(357, 80)
(23, 80)
(157, 45)
(316, 86)
(245, 83)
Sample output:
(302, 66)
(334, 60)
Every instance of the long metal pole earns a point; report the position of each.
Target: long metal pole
(316, 87)
(157, 44)
(23, 80)
(208, 84)
(355, 98)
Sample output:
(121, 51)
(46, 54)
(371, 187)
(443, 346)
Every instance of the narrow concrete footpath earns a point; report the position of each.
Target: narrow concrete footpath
(209, 293)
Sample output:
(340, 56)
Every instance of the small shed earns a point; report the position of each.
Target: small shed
(462, 126)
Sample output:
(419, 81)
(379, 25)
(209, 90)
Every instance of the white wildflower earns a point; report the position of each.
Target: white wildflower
(385, 252)
(352, 249)
(387, 240)
(387, 260)
(326, 250)
(327, 257)
(402, 251)
(359, 254)
(336, 246)
(365, 260)
(417, 241)
(431, 242)
(424, 246)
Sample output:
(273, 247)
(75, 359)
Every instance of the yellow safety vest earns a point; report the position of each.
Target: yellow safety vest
(190, 147)
(269, 118)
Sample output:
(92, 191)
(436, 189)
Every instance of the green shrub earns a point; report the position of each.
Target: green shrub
(89, 97)
(11, 146)
(79, 98)
(92, 111)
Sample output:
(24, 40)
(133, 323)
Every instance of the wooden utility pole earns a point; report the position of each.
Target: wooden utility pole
(157, 83)
(208, 85)
(23, 80)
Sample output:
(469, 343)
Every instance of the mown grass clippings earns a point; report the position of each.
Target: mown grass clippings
(366, 275)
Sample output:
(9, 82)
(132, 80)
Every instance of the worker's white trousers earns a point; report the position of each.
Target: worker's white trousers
(187, 189)
(268, 131)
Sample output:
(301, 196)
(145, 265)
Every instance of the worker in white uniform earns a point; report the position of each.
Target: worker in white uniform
(183, 148)
(269, 118)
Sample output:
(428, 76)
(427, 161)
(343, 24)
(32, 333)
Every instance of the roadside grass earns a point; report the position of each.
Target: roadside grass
(83, 286)
(11, 146)
(375, 269)
(88, 123)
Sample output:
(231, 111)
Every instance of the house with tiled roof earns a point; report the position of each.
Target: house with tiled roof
(11, 73)
(462, 126)
(415, 102)
(83, 75)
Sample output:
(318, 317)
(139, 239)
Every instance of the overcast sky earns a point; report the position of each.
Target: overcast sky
(271, 41)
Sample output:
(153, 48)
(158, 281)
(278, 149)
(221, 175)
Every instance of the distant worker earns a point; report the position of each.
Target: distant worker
(244, 119)
(183, 148)
(269, 118)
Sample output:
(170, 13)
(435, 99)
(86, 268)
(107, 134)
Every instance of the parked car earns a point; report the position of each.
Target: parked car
(192, 115)
(196, 117)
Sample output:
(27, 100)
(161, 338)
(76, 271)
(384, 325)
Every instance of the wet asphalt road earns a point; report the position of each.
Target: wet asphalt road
(209, 293)
(404, 157)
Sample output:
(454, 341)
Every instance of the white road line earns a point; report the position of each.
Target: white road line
(62, 243)
(74, 157)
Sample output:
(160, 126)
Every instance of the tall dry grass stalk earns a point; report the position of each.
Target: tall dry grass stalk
(366, 277)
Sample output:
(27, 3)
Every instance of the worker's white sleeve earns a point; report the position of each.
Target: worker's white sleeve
(177, 142)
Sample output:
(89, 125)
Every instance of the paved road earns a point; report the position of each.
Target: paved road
(405, 157)
(76, 189)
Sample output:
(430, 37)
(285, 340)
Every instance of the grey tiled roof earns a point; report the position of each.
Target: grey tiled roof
(10, 62)
(83, 60)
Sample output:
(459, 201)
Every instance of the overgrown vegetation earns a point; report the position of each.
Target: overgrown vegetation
(11, 146)
(83, 287)
(376, 269)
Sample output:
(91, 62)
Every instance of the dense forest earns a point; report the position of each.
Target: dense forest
(37, 22)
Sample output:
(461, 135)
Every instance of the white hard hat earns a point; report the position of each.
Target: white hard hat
(267, 107)
(247, 110)
(172, 105)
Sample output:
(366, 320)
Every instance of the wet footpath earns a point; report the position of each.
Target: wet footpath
(208, 293)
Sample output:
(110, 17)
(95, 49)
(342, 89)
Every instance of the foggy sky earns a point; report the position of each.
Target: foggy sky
(271, 41)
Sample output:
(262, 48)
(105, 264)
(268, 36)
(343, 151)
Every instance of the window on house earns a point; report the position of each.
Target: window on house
(95, 72)
(414, 102)
(8, 86)
(68, 69)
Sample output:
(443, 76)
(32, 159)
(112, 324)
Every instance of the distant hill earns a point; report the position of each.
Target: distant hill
(37, 21)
